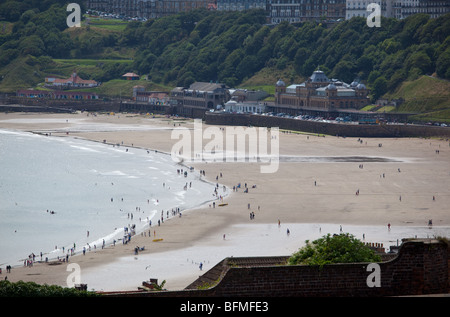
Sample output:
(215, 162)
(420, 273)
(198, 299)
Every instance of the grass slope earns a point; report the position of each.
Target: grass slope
(426, 95)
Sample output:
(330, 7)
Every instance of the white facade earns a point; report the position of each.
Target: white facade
(435, 8)
(238, 5)
(398, 9)
(358, 8)
(245, 107)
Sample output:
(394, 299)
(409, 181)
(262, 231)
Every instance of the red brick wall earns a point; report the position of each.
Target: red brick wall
(421, 267)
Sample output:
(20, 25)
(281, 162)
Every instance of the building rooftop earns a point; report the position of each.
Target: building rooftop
(74, 79)
(280, 83)
(130, 75)
(204, 86)
(319, 77)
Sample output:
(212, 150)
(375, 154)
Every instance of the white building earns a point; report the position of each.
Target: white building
(435, 8)
(398, 9)
(295, 11)
(358, 8)
(245, 107)
(235, 5)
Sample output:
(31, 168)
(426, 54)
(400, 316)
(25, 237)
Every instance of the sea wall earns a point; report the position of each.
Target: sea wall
(340, 129)
(421, 267)
(18, 104)
(51, 105)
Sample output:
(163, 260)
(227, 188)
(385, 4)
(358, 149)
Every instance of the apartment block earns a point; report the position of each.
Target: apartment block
(305, 10)
(435, 8)
(398, 9)
(240, 5)
(359, 8)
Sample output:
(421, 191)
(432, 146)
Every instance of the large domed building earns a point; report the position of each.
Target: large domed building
(320, 93)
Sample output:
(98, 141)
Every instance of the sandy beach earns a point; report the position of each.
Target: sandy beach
(401, 182)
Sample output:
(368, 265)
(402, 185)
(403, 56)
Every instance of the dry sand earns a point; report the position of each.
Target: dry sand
(299, 192)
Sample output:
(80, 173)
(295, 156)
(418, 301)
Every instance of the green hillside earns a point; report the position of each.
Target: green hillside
(119, 88)
(236, 48)
(426, 95)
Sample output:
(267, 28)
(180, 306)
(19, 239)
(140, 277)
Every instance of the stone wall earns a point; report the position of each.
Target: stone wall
(52, 105)
(18, 104)
(340, 129)
(421, 267)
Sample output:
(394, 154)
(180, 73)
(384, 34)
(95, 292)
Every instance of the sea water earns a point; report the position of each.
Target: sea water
(59, 193)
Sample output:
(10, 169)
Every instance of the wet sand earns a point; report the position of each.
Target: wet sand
(325, 180)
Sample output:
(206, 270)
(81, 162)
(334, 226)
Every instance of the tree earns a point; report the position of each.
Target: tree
(443, 64)
(397, 78)
(11, 10)
(421, 61)
(344, 70)
(32, 45)
(300, 58)
(339, 248)
(379, 88)
(248, 66)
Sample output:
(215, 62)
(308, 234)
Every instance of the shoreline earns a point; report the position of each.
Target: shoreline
(57, 255)
(290, 195)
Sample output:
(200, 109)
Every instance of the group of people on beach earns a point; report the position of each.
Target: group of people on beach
(238, 186)
(8, 270)
(166, 214)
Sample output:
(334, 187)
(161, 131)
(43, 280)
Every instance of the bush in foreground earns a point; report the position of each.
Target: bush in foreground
(31, 289)
(342, 248)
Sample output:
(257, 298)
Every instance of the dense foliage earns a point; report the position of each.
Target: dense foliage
(31, 289)
(231, 47)
(342, 248)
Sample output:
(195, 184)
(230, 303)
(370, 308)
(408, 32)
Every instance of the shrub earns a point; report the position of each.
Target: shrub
(342, 248)
(31, 289)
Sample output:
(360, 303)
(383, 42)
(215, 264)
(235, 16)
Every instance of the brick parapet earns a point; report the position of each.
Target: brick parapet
(420, 268)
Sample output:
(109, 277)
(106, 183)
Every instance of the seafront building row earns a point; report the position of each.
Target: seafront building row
(277, 10)
(318, 93)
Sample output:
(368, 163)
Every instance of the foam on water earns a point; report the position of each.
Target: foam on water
(53, 190)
